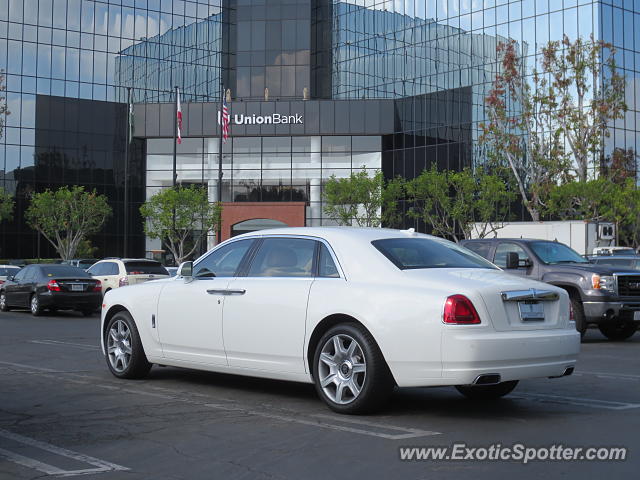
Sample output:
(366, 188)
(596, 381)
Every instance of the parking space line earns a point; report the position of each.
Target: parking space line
(100, 466)
(580, 401)
(58, 343)
(613, 376)
(346, 425)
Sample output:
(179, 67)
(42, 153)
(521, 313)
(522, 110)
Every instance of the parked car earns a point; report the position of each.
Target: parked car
(354, 311)
(604, 295)
(120, 272)
(83, 263)
(51, 287)
(7, 271)
(598, 251)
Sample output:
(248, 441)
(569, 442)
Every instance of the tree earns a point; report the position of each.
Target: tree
(520, 130)
(357, 199)
(620, 165)
(600, 200)
(586, 92)
(6, 205)
(65, 217)
(453, 202)
(181, 217)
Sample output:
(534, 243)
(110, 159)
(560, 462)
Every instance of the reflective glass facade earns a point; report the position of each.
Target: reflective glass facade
(69, 64)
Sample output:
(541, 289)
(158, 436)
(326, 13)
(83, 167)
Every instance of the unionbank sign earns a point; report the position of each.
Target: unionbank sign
(273, 119)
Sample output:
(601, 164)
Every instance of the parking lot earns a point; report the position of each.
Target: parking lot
(63, 414)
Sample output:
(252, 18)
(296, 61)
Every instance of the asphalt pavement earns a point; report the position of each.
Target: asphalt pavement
(62, 414)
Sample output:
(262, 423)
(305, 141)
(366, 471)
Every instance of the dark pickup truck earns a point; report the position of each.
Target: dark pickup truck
(600, 294)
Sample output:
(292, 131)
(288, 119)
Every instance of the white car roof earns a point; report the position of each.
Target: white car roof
(340, 233)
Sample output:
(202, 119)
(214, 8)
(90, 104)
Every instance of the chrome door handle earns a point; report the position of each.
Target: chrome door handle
(226, 292)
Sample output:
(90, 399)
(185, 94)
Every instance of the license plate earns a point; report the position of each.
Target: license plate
(76, 288)
(531, 311)
(636, 315)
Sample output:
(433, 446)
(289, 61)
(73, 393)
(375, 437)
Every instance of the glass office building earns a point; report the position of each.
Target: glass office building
(316, 88)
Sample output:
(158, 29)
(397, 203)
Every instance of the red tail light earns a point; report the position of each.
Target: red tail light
(458, 310)
(98, 286)
(123, 282)
(53, 286)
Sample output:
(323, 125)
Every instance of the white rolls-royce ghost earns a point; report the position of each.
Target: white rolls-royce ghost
(353, 311)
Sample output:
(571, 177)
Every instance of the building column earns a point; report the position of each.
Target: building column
(315, 185)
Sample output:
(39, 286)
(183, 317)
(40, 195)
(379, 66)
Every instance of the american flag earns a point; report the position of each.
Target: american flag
(179, 117)
(225, 121)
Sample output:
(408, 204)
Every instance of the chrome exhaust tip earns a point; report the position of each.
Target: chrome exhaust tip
(487, 379)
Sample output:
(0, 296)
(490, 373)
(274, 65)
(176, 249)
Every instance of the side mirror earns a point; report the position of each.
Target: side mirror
(10, 278)
(185, 270)
(513, 260)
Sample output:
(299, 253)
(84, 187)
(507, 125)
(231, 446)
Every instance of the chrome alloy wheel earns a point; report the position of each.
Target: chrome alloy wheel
(342, 369)
(35, 304)
(119, 346)
(3, 301)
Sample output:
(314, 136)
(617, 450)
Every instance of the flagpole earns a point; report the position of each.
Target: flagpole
(126, 174)
(221, 121)
(175, 139)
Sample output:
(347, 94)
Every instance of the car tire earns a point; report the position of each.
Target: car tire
(487, 392)
(3, 302)
(125, 355)
(618, 330)
(350, 373)
(578, 315)
(34, 305)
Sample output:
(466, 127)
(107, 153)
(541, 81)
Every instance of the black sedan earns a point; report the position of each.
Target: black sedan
(52, 287)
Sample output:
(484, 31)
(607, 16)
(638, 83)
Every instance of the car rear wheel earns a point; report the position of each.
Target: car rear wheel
(618, 330)
(34, 304)
(350, 373)
(3, 302)
(487, 392)
(125, 354)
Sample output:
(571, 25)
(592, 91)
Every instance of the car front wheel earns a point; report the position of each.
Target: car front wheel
(618, 330)
(487, 392)
(125, 354)
(350, 373)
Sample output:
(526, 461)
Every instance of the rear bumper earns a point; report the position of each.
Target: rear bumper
(71, 301)
(468, 353)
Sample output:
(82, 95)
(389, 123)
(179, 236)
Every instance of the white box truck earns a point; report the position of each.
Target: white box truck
(580, 235)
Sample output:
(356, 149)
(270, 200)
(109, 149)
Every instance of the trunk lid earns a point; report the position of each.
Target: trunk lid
(511, 303)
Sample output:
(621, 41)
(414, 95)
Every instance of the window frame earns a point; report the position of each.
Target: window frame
(521, 247)
(245, 268)
(314, 257)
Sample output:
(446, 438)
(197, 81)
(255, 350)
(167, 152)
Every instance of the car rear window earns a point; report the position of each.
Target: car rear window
(413, 253)
(63, 271)
(145, 268)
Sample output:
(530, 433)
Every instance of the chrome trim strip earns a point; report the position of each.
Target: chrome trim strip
(531, 294)
(226, 292)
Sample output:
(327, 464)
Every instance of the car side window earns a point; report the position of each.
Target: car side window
(110, 268)
(284, 257)
(96, 269)
(29, 275)
(500, 258)
(481, 248)
(224, 261)
(326, 266)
